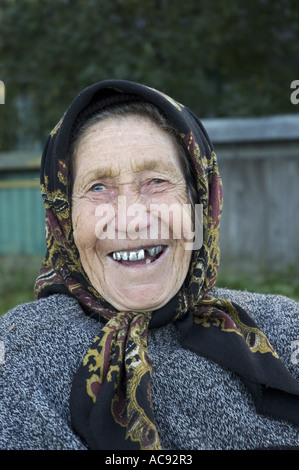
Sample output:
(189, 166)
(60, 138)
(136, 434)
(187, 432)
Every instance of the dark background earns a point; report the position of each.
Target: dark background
(221, 58)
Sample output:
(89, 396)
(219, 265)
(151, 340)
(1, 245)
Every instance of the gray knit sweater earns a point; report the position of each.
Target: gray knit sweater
(197, 404)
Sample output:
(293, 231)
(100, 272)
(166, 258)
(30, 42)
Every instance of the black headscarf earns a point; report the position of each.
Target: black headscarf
(110, 401)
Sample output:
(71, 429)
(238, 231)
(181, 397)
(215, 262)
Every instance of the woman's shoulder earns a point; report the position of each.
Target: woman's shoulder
(55, 323)
(50, 305)
(42, 344)
(260, 305)
(276, 315)
(48, 311)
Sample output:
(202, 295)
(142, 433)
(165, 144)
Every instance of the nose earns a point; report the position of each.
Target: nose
(125, 217)
(132, 217)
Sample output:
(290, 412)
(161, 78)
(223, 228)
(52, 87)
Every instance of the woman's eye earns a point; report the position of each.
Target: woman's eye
(157, 181)
(97, 188)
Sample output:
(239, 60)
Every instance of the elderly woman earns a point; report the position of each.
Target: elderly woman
(129, 344)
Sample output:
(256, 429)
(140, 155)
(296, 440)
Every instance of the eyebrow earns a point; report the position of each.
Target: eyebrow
(152, 165)
(97, 174)
(139, 167)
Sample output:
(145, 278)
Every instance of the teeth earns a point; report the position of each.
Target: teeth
(116, 255)
(136, 255)
(155, 250)
(133, 256)
(128, 255)
(140, 254)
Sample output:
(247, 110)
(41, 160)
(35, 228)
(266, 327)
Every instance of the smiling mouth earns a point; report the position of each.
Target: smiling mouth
(140, 256)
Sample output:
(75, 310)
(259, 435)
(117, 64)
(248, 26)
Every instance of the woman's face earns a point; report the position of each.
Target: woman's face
(126, 176)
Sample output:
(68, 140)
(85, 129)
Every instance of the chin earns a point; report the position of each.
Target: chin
(145, 299)
(144, 284)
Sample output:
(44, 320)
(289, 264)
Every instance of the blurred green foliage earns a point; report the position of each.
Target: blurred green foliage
(271, 282)
(18, 274)
(221, 58)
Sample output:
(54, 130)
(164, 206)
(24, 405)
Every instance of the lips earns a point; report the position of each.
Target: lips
(144, 255)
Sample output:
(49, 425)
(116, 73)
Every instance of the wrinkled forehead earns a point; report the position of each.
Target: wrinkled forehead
(132, 143)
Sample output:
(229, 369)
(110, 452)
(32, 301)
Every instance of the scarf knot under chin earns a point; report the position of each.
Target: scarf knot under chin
(117, 368)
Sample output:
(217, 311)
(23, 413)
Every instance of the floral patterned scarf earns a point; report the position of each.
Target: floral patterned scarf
(110, 401)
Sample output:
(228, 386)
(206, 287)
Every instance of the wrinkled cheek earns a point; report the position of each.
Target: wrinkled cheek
(176, 223)
(104, 222)
(84, 231)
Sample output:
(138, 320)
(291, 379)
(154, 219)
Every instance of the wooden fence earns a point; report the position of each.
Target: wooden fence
(259, 164)
(22, 224)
